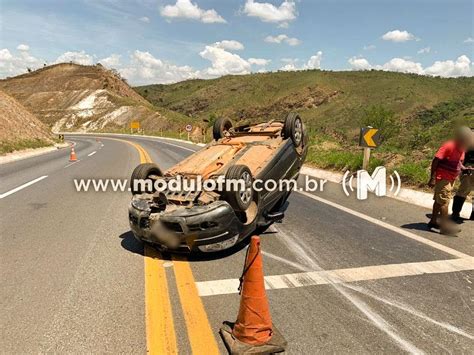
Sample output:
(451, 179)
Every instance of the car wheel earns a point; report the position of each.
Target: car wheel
(221, 126)
(240, 200)
(293, 128)
(142, 172)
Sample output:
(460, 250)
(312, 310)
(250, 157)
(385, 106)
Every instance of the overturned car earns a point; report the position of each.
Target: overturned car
(210, 220)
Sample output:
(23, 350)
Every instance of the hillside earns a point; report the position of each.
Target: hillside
(84, 98)
(19, 128)
(414, 112)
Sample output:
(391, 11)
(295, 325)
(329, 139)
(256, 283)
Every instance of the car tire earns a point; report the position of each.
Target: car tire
(141, 172)
(293, 128)
(220, 127)
(240, 200)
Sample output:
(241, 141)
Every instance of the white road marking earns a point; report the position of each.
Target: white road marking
(410, 310)
(91, 154)
(305, 255)
(365, 273)
(16, 189)
(74, 162)
(367, 293)
(178, 146)
(388, 226)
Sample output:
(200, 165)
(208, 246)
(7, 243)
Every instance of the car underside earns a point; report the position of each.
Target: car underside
(192, 218)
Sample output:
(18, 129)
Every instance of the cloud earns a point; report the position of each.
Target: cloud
(259, 61)
(112, 61)
(449, 68)
(141, 67)
(369, 47)
(469, 40)
(223, 62)
(23, 47)
(144, 68)
(402, 65)
(144, 19)
(425, 50)
(289, 67)
(5, 55)
(230, 45)
(187, 10)
(289, 60)
(12, 64)
(270, 13)
(359, 63)
(76, 57)
(283, 38)
(398, 36)
(314, 62)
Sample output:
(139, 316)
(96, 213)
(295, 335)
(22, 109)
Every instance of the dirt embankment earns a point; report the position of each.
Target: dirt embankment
(82, 98)
(19, 128)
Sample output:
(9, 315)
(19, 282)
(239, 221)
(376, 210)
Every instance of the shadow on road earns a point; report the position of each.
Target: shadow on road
(420, 226)
(131, 244)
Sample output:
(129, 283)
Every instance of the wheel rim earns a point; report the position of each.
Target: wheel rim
(298, 133)
(225, 128)
(246, 194)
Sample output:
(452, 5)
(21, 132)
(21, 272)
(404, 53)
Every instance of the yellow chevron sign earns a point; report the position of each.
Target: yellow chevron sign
(369, 137)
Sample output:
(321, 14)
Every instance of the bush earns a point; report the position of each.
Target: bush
(379, 117)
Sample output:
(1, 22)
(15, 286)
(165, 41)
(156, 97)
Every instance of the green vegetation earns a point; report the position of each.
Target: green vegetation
(414, 173)
(415, 113)
(8, 147)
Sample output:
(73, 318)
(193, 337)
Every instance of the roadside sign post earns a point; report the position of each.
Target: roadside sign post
(134, 125)
(189, 128)
(365, 161)
(369, 138)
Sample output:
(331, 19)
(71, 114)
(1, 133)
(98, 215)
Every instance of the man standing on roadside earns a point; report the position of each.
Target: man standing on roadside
(445, 168)
(467, 183)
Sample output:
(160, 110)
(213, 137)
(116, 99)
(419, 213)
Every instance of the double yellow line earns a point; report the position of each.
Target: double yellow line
(160, 333)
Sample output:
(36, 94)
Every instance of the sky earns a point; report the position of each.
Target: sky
(165, 41)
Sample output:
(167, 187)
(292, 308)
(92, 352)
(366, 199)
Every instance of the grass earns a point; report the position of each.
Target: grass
(415, 113)
(414, 173)
(8, 146)
(340, 160)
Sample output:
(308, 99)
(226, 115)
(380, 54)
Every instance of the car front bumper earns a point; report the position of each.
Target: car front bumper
(206, 228)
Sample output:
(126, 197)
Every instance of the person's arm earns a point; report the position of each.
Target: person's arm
(434, 166)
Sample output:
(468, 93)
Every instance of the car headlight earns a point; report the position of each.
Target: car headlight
(141, 205)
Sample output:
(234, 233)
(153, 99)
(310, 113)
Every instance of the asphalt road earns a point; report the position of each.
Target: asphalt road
(343, 275)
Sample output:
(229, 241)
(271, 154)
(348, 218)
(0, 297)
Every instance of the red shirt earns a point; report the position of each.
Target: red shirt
(450, 157)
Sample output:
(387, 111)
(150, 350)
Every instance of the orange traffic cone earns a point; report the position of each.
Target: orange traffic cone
(253, 331)
(72, 157)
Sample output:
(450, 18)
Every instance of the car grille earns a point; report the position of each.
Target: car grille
(201, 226)
(173, 226)
(144, 222)
(133, 218)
